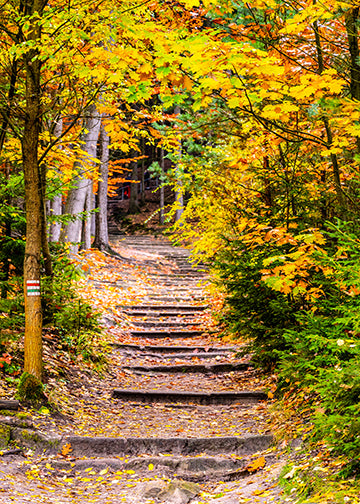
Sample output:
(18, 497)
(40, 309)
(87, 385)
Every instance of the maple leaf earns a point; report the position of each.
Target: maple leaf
(66, 450)
(257, 464)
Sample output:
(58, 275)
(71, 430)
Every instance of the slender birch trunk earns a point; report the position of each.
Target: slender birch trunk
(56, 202)
(77, 196)
(101, 228)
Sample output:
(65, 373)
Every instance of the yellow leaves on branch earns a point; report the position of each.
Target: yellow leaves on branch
(289, 273)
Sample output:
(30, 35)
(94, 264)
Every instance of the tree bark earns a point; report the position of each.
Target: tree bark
(30, 143)
(86, 223)
(56, 201)
(162, 189)
(179, 192)
(334, 161)
(351, 20)
(134, 200)
(101, 229)
(76, 199)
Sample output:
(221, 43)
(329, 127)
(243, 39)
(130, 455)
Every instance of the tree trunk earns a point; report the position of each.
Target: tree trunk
(334, 161)
(86, 223)
(142, 192)
(162, 189)
(134, 200)
(30, 142)
(351, 20)
(101, 229)
(76, 199)
(179, 192)
(56, 201)
(44, 237)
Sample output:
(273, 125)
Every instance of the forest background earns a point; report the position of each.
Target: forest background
(256, 104)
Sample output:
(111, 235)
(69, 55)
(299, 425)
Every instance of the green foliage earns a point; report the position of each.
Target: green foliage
(325, 351)
(74, 319)
(311, 340)
(254, 311)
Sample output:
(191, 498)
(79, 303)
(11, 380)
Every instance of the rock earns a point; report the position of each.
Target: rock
(5, 434)
(36, 440)
(176, 492)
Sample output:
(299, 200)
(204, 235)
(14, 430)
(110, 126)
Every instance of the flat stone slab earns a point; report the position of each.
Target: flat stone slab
(123, 447)
(158, 313)
(194, 351)
(10, 405)
(165, 308)
(191, 368)
(167, 334)
(205, 398)
(195, 469)
(159, 324)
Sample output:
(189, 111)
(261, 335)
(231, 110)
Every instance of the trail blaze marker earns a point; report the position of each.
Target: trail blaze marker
(33, 287)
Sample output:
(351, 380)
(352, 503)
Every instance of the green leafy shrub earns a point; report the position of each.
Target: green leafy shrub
(254, 310)
(325, 352)
(300, 305)
(74, 319)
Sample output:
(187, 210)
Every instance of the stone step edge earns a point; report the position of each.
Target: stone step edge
(165, 325)
(191, 368)
(9, 404)
(195, 469)
(154, 307)
(156, 313)
(173, 348)
(205, 398)
(169, 334)
(100, 446)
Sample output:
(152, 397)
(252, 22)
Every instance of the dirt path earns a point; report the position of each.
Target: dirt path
(179, 417)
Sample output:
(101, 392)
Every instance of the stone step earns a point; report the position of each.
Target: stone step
(171, 299)
(191, 368)
(166, 334)
(168, 349)
(185, 397)
(122, 447)
(167, 308)
(159, 324)
(9, 405)
(194, 469)
(157, 313)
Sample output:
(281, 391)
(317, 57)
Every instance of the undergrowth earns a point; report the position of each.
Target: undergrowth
(73, 321)
(296, 298)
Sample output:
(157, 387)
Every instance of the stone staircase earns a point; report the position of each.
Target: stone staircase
(175, 365)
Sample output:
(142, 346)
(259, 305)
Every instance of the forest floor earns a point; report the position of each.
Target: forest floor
(174, 404)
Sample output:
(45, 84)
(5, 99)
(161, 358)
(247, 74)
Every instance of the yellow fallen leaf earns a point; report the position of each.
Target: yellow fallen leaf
(151, 467)
(104, 471)
(259, 463)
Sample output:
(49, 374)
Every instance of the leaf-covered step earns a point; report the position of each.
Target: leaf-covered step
(205, 398)
(10, 405)
(115, 446)
(195, 469)
(176, 349)
(158, 313)
(167, 334)
(165, 308)
(191, 368)
(160, 324)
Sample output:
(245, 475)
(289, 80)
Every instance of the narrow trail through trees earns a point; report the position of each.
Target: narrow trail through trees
(179, 418)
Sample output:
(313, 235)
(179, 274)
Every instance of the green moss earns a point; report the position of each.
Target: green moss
(30, 389)
(5, 432)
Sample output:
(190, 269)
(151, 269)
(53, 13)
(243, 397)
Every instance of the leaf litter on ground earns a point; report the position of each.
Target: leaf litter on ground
(83, 398)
